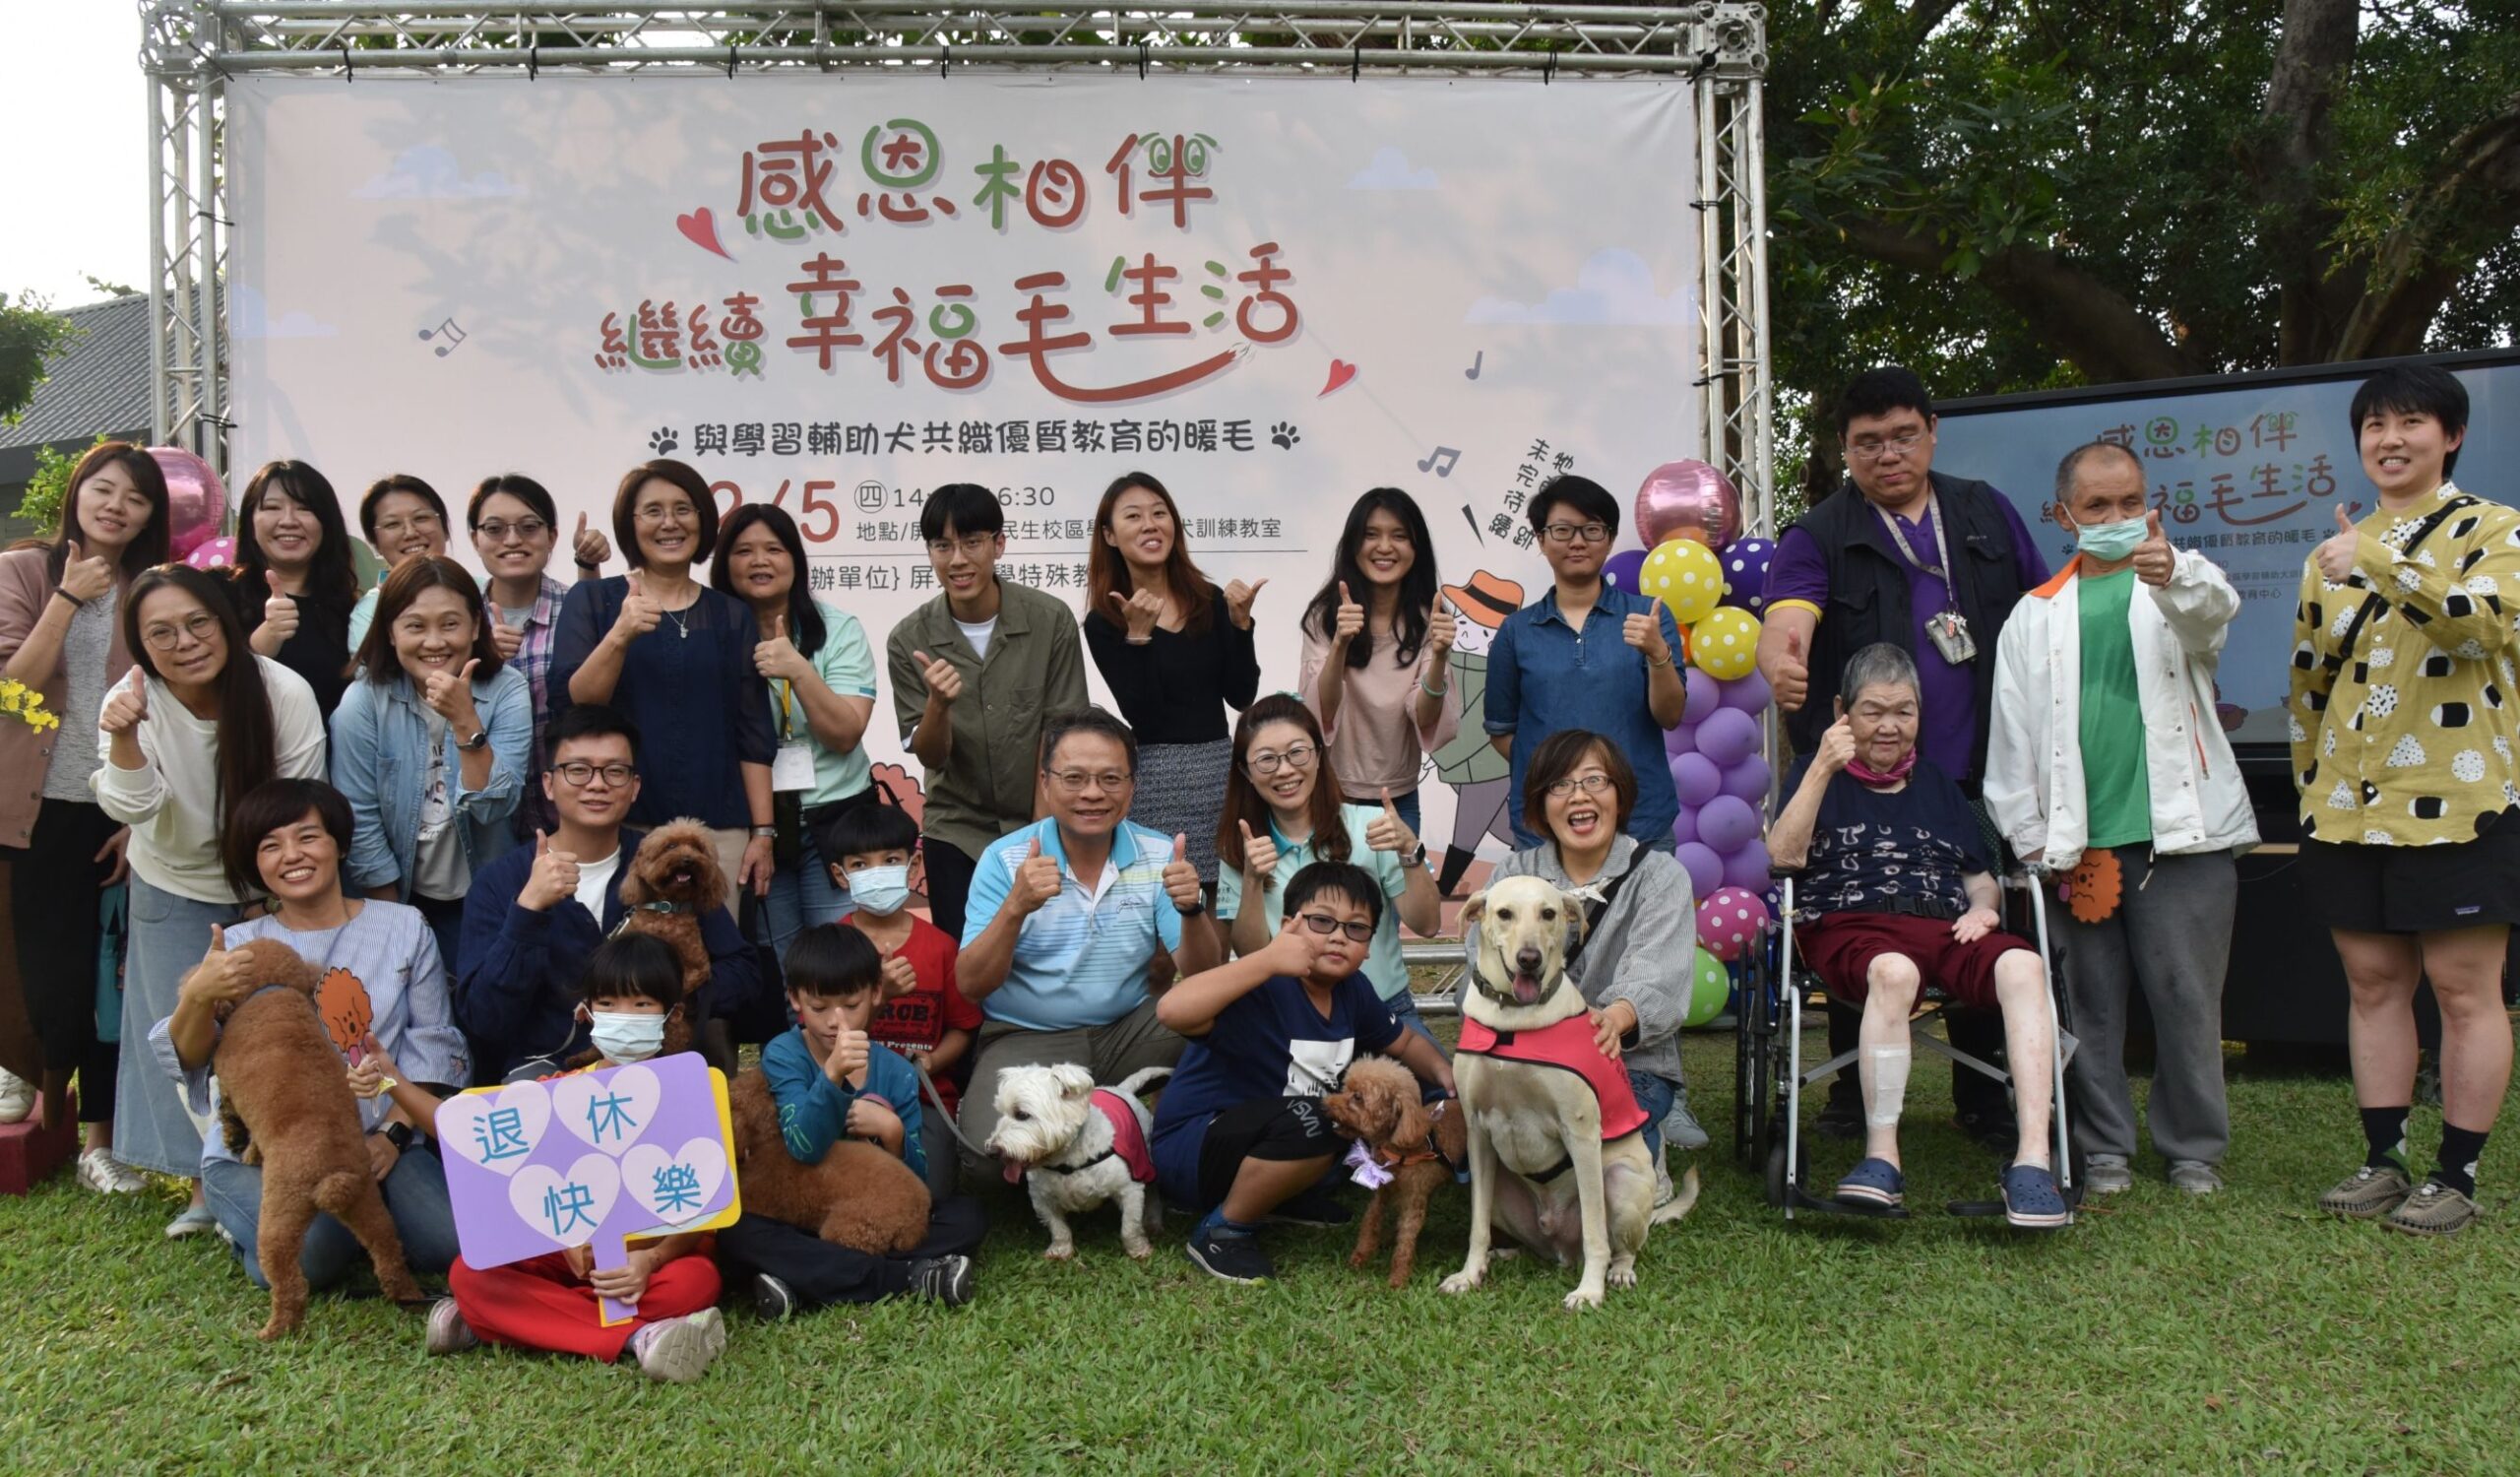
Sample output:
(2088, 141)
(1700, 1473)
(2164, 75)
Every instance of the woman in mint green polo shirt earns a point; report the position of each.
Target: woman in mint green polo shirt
(821, 676)
(1280, 817)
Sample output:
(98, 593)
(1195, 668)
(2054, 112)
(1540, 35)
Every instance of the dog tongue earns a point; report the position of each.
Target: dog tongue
(1526, 990)
(1014, 1172)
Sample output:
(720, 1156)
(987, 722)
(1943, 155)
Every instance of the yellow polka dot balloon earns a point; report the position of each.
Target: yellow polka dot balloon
(1685, 575)
(1726, 644)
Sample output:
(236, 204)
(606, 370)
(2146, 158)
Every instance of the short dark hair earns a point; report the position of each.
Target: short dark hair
(2415, 390)
(410, 580)
(632, 964)
(682, 475)
(1557, 756)
(1879, 391)
(804, 621)
(2074, 459)
(1585, 496)
(385, 486)
(333, 575)
(865, 829)
(1345, 878)
(832, 960)
(967, 508)
(587, 720)
(1086, 720)
(266, 808)
(522, 488)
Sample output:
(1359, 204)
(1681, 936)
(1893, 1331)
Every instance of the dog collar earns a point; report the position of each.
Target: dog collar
(637, 908)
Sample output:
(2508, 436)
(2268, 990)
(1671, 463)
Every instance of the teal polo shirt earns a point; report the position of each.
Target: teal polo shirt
(1081, 960)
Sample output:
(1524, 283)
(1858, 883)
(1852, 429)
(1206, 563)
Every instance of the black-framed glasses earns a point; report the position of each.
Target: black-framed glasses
(527, 528)
(1869, 450)
(1568, 532)
(1590, 784)
(201, 625)
(576, 772)
(1324, 924)
(1268, 761)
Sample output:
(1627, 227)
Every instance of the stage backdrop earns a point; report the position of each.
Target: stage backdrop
(836, 294)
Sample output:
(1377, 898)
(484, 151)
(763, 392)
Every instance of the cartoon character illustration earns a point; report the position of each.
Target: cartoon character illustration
(896, 784)
(1479, 776)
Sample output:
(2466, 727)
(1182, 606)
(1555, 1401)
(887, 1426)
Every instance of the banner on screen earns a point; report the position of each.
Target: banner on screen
(1272, 294)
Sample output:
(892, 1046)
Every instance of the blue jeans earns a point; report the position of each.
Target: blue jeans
(1407, 806)
(414, 1196)
(1666, 1103)
(800, 896)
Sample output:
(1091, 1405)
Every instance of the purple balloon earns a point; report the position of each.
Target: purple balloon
(1687, 499)
(1706, 694)
(1749, 694)
(1747, 780)
(1696, 778)
(1728, 736)
(1619, 570)
(1704, 867)
(1681, 740)
(1748, 868)
(1726, 823)
(1685, 826)
(1745, 573)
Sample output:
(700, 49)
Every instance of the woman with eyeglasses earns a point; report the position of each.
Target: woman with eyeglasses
(1633, 965)
(60, 636)
(1587, 656)
(675, 658)
(1281, 815)
(1176, 653)
(194, 727)
(514, 527)
(404, 518)
(1377, 654)
(293, 582)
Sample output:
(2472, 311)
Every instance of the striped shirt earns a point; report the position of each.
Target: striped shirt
(534, 811)
(1081, 960)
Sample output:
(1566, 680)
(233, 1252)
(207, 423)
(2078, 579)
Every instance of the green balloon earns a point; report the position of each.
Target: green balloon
(1710, 986)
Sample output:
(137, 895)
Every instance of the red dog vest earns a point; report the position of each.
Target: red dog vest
(1128, 1133)
(1567, 1045)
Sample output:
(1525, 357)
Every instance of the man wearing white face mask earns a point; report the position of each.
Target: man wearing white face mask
(2105, 765)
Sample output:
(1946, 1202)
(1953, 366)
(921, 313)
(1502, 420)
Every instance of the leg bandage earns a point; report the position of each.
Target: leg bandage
(1883, 1072)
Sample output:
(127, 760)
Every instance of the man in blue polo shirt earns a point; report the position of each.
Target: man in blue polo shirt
(1064, 918)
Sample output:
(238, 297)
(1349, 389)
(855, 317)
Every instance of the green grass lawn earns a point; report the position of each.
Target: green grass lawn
(2161, 1334)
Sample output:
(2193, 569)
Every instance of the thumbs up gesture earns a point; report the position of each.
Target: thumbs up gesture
(280, 612)
(1037, 882)
(1348, 621)
(223, 976)
(2154, 558)
(1387, 832)
(2335, 557)
(640, 614)
(505, 640)
(450, 693)
(125, 706)
(1259, 858)
(1792, 680)
(1140, 610)
(85, 578)
(1237, 602)
(940, 676)
(588, 547)
(554, 878)
(777, 656)
(1181, 878)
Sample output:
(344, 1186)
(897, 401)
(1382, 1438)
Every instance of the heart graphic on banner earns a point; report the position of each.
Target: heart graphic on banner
(700, 229)
(568, 1208)
(607, 1108)
(1341, 371)
(676, 1188)
(494, 1131)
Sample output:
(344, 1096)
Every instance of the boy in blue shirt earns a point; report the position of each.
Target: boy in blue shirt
(1240, 1132)
(830, 1081)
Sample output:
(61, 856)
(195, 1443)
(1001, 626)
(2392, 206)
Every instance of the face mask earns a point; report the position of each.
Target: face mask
(622, 1036)
(880, 889)
(2111, 542)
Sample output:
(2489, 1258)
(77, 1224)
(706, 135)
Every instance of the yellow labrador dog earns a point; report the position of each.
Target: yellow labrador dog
(1539, 1167)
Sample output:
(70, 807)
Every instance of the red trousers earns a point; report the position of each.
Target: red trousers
(539, 1303)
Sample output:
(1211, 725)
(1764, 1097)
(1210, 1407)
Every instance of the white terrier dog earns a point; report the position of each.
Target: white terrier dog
(1077, 1146)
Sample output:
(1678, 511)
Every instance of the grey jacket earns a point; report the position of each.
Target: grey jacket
(1640, 952)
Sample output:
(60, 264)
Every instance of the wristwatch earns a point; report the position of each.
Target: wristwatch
(1197, 907)
(480, 739)
(1415, 857)
(765, 833)
(401, 1135)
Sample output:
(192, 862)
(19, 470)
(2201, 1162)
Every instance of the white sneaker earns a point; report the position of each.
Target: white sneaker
(17, 1097)
(676, 1351)
(102, 1173)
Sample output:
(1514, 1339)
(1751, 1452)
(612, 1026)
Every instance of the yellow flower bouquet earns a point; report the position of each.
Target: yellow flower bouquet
(27, 705)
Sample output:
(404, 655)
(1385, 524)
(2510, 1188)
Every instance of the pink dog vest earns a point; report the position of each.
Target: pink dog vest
(1128, 1133)
(1567, 1045)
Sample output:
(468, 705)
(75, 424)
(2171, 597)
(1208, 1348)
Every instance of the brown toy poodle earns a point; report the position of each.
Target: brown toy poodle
(1422, 1144)
(286, 1104)
(675, 881)
(858, 1196)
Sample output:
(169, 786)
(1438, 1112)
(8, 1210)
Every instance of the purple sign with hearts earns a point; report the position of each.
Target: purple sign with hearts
(587, 1159)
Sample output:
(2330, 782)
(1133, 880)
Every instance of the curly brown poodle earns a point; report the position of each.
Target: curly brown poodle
(858, 1197)
(285, 1102)
(674, 882)
(1420, 1143)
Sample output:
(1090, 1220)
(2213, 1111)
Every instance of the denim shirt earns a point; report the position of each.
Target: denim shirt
(1545, 677)
(380, 764)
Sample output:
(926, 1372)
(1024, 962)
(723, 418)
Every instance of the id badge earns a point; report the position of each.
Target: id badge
(793, 767)
(1949, 634)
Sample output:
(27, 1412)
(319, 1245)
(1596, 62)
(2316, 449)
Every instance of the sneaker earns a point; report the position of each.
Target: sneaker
(1312, 1207)
(102, 1173)
(17, 1097)
(448, 1332)
(1839, 1118)
(712, 1323)
(2194, 1176)
(2108, 1175)
(676, 1351)
(1233, 1258)
(942, 1279)
(2434, 1209)
(773, 1299)
(2032, 1201)
(195, 1221)
(2367, 1193)
(1680, 1127)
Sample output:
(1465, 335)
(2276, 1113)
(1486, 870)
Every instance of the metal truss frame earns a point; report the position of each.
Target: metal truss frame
(191, 47)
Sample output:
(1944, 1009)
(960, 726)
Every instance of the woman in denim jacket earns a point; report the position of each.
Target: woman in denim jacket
(430, 748)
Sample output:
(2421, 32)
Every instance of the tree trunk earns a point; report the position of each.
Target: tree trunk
(2311, 63)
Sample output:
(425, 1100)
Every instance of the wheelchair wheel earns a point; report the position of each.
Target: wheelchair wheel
(1776, 1170)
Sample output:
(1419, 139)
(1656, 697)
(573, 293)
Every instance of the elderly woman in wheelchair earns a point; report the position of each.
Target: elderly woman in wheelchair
(1895, 888)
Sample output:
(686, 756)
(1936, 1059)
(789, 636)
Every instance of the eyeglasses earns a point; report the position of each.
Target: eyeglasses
(1568, 532)
(526, 529)
(201, 625)
(394, 528)
(1298, 756)
(662, 513)
(1323, 922)
(1590, 784)
(576, 772)
(1078, 781)
(973, 547)
(1869, 450)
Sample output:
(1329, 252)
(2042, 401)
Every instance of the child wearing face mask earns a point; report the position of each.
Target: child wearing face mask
(922, 1014)
(633, 987)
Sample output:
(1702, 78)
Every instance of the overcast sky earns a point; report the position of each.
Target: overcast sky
(74, 148)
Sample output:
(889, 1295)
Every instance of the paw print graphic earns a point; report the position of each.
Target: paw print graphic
(1284, 436)
(662, 441)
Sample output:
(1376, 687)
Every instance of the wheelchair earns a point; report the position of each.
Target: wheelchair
(1769, 1075)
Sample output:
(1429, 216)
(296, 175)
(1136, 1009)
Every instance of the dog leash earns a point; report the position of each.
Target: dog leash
(927, 1084)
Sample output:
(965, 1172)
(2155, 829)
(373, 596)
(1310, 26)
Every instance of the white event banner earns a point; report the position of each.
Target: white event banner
(837, 293)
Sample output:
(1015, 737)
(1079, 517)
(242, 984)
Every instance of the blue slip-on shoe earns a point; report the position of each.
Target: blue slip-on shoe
(2032, 1201)
(1873, 1182)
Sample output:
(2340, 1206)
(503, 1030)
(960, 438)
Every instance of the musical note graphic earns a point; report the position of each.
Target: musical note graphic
(1473, 372)
(447, 330)
(1447, 455)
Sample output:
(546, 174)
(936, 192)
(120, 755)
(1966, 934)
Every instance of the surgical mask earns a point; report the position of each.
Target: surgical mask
(880, 889)
(626, 1035)
(2111, 542)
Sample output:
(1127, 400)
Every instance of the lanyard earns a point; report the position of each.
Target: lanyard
(787, 691)
(1941, 550)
